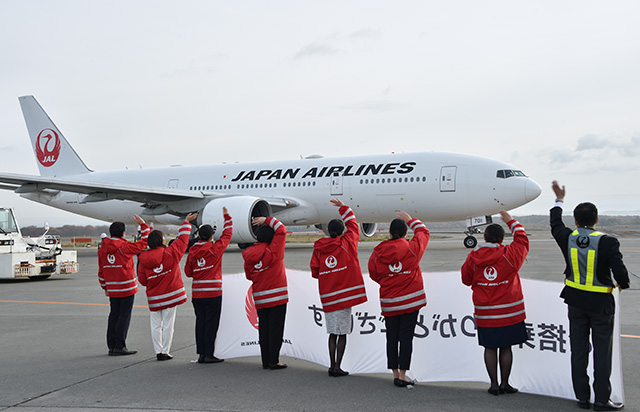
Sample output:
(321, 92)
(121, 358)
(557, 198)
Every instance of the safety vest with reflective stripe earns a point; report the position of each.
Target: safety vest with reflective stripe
(583, 258)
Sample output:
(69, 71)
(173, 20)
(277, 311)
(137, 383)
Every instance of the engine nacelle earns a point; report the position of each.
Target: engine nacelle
(242, 210)
(368, 229)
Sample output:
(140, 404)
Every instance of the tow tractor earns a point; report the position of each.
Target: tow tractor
(34, 258)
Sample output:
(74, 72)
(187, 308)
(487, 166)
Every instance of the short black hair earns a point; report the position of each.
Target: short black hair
(398, 228)
(494, 233)
(155, 239)
(116, 229)
(264, 234)
(205, 232)
(335, 228)
(585, 214)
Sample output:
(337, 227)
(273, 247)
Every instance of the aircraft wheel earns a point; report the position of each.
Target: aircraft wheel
(470, 242)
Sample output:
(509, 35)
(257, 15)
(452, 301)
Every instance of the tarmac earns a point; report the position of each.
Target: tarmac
(54, 354)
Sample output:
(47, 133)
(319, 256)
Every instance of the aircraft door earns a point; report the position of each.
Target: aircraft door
(448, 178)
(173, 183)
(336, 185)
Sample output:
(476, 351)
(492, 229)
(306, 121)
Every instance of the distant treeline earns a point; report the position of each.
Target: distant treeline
(92, 231)
(530, 221)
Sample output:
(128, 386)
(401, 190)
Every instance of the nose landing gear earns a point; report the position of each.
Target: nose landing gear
(473, 227)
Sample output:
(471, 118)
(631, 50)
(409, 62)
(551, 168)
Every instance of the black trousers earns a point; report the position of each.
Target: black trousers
(400, 331)
(207, 321)
(119, 320)
(600, 327)
(270, 332)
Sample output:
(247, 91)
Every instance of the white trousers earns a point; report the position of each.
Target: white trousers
(162, 322)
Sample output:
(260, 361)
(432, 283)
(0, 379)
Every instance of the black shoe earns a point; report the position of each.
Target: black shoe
(402, 383)
(494, 390)
(122, 352)
(506, 388)
(330, 371)
(339, 372)
(200, 358)
(607, 406)
(278, 366)
(212, 359)
(584, 404)
(163, 356)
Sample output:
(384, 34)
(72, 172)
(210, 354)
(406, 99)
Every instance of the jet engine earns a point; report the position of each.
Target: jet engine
(242, 210)
(368, 229)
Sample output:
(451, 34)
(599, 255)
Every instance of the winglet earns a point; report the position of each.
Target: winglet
(54, 155)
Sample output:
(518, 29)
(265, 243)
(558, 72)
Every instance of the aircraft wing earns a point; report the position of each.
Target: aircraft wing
(97, 191)
(156, 199)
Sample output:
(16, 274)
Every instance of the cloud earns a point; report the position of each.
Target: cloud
(364, 34)
(598, 152)
(314, 50)
(328, 45)
(591, 141)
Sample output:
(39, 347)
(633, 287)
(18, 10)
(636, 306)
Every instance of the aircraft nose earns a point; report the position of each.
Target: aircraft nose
(532, 190)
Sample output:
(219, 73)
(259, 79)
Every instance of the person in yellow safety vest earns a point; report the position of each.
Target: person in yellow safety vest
(591, 257)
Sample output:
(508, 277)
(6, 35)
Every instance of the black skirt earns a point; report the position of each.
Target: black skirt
(503, 336)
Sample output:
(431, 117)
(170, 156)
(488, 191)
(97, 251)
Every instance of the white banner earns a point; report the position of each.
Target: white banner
(445, 347)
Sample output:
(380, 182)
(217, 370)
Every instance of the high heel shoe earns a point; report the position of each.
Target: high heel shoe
(494, 390)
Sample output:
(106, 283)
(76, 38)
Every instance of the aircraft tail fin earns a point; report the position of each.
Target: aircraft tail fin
(54, 155)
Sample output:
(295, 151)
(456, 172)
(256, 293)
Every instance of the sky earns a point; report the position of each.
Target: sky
(551, 87)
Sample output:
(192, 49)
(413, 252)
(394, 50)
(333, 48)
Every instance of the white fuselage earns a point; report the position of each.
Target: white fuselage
(431, 186)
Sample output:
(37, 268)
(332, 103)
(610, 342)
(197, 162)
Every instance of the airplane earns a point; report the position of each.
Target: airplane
(432, 186)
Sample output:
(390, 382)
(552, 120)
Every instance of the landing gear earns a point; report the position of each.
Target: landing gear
(470, 242)
(473, 228)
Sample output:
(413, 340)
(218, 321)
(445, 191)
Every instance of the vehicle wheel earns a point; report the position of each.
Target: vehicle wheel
(39, 277)
(470, 242)
(243, 246)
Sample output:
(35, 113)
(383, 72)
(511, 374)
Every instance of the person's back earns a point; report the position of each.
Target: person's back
(334, 262)
(590, 258)
(117, 278)
(492, 272)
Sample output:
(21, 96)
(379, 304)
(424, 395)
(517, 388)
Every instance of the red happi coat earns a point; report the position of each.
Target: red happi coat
(159, 271)
(335, 264)
(264, 266)
(116, 273)
(204, 264)
(492, 272)
(395, 265)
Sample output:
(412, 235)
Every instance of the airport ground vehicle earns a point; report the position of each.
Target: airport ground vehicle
(35, 258)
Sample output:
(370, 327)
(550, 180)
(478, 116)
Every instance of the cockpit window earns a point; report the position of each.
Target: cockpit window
(504, 174)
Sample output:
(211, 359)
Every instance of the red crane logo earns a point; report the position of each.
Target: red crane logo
(46, 154)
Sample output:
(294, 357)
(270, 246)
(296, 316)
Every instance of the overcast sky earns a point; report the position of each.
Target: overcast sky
(552, 87)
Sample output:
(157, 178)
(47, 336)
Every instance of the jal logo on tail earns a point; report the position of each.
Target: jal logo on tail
(48, 147)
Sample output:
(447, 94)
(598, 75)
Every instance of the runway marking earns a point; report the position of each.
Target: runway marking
(630, 336)
(64, 303)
